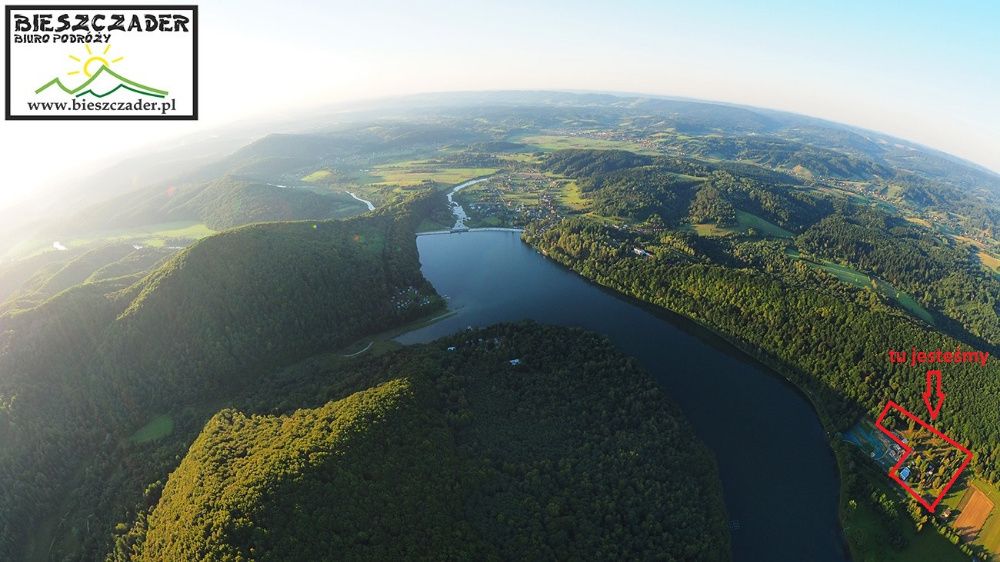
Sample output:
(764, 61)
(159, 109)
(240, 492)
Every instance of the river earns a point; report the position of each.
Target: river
(369, 204)
(779, 476)
(456, 209)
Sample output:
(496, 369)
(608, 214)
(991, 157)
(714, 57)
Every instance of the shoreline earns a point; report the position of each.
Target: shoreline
(726, 344)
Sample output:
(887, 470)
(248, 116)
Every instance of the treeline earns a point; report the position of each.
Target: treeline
(943, 276)
(831, 346)
(940, 274)
(447, 451)
(677, 190)
(900, 517)
(82, 371)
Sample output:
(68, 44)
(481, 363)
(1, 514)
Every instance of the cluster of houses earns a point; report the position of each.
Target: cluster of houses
(408, 298)
(642, 140)
(493, 203)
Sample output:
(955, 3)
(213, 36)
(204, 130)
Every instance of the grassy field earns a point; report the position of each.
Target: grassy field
(854, 277)
(974, 510)
(750, 220)
(486, 222)
(909, 303)
(416, 172)
(571, 197)
(154, 235)
(744, 221)
(990, 261)
(989, 536)
(713, 230)
(870, 541)
(157, 428)
(318, 175)
(844, 273)
(157, 235)
(868, 531)
(920, 221)
(561, 142)
(971, 241)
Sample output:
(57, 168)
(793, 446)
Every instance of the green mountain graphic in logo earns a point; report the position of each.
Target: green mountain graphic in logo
(103, 83)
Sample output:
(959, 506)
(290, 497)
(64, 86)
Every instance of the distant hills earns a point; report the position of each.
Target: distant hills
(28, 284)
(359, 135)
(81, 370)
(220, 204)
(811, 245)
(289, 452)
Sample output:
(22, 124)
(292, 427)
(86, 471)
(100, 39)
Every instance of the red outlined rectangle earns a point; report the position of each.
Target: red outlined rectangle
(894, 471)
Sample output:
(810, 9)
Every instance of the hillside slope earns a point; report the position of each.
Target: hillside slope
(454, 454)
(83, 370)
(223, 203)
(64, 270)
(774, 293)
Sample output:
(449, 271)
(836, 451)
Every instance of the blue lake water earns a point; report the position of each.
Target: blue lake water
(779, 476)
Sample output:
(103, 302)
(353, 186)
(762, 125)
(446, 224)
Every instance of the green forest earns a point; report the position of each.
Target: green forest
(821, 302)
(200, 365)
(449, 451)
(85, 368)
(752, 288)
(175, 429)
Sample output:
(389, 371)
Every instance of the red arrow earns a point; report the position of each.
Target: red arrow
(928, 392)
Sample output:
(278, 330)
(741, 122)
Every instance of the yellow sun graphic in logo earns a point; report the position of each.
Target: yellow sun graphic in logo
(94, 62)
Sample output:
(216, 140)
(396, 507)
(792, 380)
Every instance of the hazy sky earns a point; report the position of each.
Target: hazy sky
(921, 70)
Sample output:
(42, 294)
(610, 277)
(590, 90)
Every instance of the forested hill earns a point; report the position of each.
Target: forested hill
(716, 250)
(222, 203)
(943, 274)
(29, 283)
(84, 369)
(449, 451)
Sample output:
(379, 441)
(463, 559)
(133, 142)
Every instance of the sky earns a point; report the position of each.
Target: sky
(921, 70)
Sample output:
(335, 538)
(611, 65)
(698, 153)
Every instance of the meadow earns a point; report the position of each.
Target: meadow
(858, 279)
(744, 221)
(416, 172)
(154, 235)
(960, 498)
(157, 428)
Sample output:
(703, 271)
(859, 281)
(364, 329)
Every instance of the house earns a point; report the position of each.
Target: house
(905, 473)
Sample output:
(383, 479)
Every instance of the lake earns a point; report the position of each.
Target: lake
(779, 476)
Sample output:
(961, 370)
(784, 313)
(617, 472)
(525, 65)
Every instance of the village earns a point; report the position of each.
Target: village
(512, 199)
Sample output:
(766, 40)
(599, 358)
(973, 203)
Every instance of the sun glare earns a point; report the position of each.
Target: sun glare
(93, 63)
